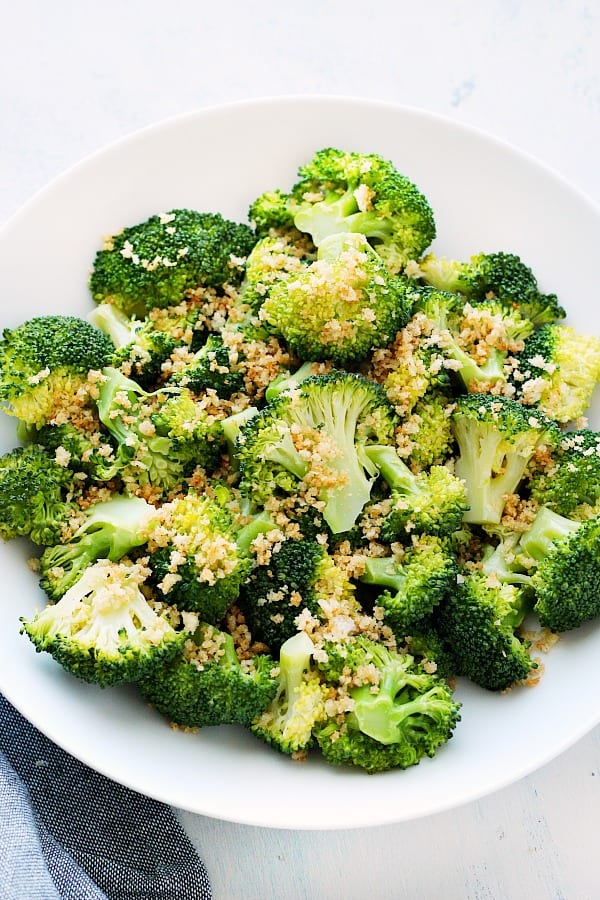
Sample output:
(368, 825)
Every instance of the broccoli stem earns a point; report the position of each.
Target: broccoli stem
(547, 528)
(109, 319)
(381, 570)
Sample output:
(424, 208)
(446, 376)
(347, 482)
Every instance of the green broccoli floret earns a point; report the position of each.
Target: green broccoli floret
(272, 259)
(313, 440)
(569, 482)
(194, 434)
(287, 381)
(140, 350)
(566, 579)
(557, 371)
(298, 575)
(496, 438)
(206, 685)
(270, 211)
(195, 560)
(154, 263)
(36, 495)
(502, 275)
(214, 367)
(478, 622)
(103, 630)
(430, 502)
(80, 450)
(399, 714)
(299, 704)
(339, 307)
(44, 366)
(109, 530)
(342, 191)
(416, 581)
(425, 434)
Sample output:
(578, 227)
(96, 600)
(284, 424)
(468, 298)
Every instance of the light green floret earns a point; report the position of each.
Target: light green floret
(103, 630)
(299, 705)
(340, 307)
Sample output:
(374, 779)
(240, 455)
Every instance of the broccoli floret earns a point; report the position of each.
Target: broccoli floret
(478, 623)
(430, 502)
(314, 440)
(399, 714)
(502, 275)
(140, 349)
(342, 191)
(339, 307)
(270, 211)
(272, 259)
(425, 435)
(195, 436)
(557, 371)
(569, 481)
(44, 366)
(103, 630)
(80, 450)
(496, 438)
(416, 581)
(35, 495)
(206, 685)
(287, 723)
(287, 381)
(298, 575)
(566, 579)
(154, 263)
(214, 367)
(195, 560)
(109, 530)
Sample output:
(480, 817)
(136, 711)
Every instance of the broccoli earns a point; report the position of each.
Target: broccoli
(478, 623)
(79, 449)
(103, 630)
(194, 433)
(340, 191)
(399, 713)
(557, 371)
(195, 561)
(339, 307)
(109, 530)
(414, 366)
(270, 212)
(430, 502)
(35, 495)
(501, 275)
(213, 367)
(425, 434)
(496, 438)
(272, 259)
(140, 349)
(286, 381)
(299, 704)
(566, 579)
(45, 365)
(154, 263)
(569, 481)
(206, 685)
(298, 575)
(416, 581)
(314, 440)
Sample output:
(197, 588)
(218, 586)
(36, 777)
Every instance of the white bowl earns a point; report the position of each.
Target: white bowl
(486, 196)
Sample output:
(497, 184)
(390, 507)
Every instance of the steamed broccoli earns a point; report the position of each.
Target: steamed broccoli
(416, 581)
(36, 495)
(206, 685)
(298, 575)
(314, 440)
(399, 713)
(80, 449)
(496, 438)
(425, 434)
(339, 307)
(45, 365)
(569, 481)
(287, 723)
(340, 191)
(103, 630)
(109, 530)
(557, 371)
(430, 502)
(501, 275)
(195, 560)
(270, 212)
(154, 263)
(213, 367)
(272, 259)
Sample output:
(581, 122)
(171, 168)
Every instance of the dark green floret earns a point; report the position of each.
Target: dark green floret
(340, 191)
(570, 483)
(103, 630)
(334, 417)
(84, 452)
(206, 685)
(44, 363)
(502, 275)
(110, 529)
(214, 367)
(154, 263)
(399, 716)
(35, 495)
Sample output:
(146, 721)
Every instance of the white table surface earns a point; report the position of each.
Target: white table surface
(76, 75)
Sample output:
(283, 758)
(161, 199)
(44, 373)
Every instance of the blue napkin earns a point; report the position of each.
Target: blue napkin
(67, 832)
